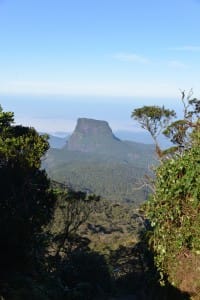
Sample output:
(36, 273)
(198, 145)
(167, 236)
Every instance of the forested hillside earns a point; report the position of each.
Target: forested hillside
(95, 160)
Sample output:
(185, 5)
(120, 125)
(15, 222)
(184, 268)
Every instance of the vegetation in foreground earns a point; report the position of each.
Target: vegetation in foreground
(173, 208)
(57, 243)
(44, 253)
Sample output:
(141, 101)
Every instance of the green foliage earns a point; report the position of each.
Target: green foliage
(111, 226)
(28, 267)
(195, 108)
(177, 132)
(27, 202)
(153, 119)
(71, 211)
(22, 145)
(49, 233)
(6, 118)
(173, 209)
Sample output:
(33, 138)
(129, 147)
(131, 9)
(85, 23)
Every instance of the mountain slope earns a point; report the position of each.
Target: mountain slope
(96, 161)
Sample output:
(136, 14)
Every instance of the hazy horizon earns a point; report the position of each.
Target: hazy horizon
(53, 114)
(61, 60)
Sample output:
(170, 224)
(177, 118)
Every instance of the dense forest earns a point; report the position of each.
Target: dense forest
(115, 181)
(61, 243)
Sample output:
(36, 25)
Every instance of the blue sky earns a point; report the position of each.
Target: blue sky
(63, 59)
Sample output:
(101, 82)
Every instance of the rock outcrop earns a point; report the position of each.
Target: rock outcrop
(92, 136)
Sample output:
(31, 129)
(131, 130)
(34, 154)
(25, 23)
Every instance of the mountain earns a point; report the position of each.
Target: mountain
(92, 136)
(142, 137)
(138, 136)
(95, 160)
(96, 136)
(57, 142)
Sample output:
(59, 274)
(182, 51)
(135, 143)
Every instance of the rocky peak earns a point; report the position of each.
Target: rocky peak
(91, 126)
(90, 135)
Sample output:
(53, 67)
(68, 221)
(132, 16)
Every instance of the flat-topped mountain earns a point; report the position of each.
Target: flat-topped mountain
(91, 135)
(95, 160)
(96, 136)
(87, 126)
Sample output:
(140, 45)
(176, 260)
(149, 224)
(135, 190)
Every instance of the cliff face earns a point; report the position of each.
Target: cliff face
(91, 126)
(91, 136)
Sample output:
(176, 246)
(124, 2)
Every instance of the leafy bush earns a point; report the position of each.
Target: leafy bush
(174, 208)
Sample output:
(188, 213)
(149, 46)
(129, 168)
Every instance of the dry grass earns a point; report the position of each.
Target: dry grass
(186, 273)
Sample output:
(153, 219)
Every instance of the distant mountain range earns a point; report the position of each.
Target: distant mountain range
(57, 142)
(95, 160)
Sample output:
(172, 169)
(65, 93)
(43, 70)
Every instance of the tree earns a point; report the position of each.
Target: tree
(27, 206)
(154, 119)
(27, 202)
(72, 209)
(179, 132)
(173, 208)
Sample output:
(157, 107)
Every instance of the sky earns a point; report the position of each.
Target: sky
(64, 59)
